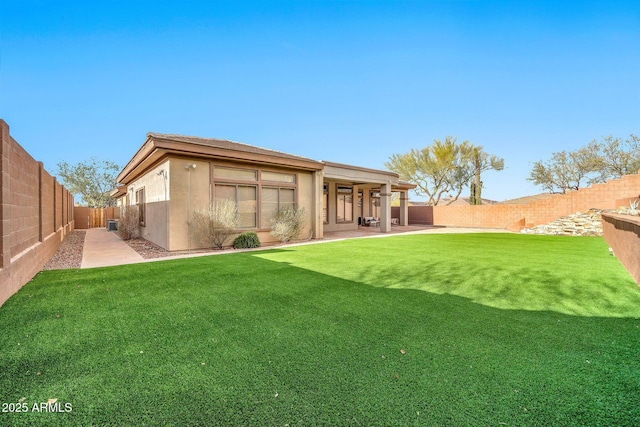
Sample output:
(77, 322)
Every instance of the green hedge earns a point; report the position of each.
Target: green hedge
(248, 239)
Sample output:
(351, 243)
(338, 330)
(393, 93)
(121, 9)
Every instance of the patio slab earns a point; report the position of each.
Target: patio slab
(104, 248)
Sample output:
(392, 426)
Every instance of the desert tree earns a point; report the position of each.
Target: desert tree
(598, 161)
(617, 157)
(443, 168)
(93, 180)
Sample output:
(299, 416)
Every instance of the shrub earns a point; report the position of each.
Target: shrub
(216, 223)
(246, 240)
(288, 223)
(129, 223)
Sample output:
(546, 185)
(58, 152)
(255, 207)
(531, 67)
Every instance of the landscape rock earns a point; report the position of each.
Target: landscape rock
(587, 223)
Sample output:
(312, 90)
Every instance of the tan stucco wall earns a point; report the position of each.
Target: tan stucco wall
(153, 181)
(187, 194)
(200, 189)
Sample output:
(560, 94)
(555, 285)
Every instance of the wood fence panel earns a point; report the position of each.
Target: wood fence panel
(94, 217)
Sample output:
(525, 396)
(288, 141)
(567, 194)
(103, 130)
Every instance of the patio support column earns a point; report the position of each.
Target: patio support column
(385, 207)
(404, 208)
(317, 225)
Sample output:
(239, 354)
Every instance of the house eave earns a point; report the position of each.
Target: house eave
(155, 148)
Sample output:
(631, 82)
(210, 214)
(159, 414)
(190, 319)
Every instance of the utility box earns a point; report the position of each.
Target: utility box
(112, 225)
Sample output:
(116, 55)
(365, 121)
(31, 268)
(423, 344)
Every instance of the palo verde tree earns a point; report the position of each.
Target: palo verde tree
(598, 161)
(93, 180)
(444, 167)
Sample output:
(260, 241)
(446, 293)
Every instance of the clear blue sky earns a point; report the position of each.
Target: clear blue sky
(351, 82)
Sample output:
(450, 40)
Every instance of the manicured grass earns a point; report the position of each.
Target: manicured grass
(485, 329)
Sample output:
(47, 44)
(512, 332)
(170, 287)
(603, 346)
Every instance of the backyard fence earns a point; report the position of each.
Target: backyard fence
(609, 195)
(94, 217)
(36, 214)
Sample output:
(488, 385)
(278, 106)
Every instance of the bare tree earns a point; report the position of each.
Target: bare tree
(598, 161)
(216, 223)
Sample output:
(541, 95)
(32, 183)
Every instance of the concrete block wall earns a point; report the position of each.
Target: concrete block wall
(36, 213)
(514, 217)
(622, 233)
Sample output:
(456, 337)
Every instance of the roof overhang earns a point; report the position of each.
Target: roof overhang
(357, 174)
(118, 192)
(155, 148)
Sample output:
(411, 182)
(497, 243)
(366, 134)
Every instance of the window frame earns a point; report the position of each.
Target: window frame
(141, 204)
(279, 202)
(236, 192)
(259, 183)
(325, 203)
(338, 194)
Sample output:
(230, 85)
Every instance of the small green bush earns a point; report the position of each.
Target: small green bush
(248, 239)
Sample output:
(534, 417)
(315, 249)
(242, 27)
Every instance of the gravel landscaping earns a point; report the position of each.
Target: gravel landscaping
(146, 249)
(69, 254)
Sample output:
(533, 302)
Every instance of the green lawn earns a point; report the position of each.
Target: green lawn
(476, 329)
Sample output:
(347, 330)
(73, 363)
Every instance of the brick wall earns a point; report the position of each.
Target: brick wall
(622, 233)
(36, 213)
(609, 195)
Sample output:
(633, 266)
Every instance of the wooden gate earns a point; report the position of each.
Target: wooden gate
(93, 217)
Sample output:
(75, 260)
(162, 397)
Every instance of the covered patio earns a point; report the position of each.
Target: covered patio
(352, 194)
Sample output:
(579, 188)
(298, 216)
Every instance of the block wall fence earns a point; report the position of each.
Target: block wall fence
(36, 214)
(609, 195)
(622, 233)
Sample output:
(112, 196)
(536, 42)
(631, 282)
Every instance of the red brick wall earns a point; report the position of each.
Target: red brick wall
(622, 233)
(35, 215)
(515, 217)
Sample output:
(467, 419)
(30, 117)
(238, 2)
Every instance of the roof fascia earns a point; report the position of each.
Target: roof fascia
(201, 150)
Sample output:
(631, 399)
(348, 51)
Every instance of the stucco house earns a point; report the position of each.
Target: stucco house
(171, 176)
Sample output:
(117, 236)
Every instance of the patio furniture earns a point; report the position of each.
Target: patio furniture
(371, 221)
